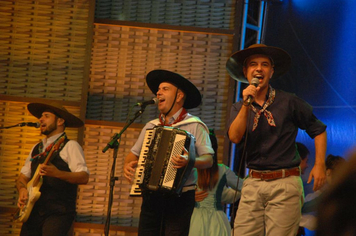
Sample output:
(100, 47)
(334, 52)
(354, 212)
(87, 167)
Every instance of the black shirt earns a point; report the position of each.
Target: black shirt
(271, 148)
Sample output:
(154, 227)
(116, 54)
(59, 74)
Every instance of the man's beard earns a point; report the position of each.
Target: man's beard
(50, 129)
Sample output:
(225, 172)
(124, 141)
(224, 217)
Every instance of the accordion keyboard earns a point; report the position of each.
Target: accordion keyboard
(140, 170)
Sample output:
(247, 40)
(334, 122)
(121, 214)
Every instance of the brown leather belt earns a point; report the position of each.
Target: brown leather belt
(274, 174)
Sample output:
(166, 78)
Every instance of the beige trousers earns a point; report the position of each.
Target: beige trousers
(271, 208)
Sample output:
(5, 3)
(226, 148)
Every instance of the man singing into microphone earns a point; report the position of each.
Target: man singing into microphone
(266, 127)
(165, 214)
(60, 163)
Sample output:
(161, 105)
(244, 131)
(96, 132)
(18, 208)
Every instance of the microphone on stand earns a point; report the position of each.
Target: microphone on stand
(255, 82)
(153, 101)
(30, 124)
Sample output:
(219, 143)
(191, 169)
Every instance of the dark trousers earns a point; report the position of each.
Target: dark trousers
(47, 225)
(166, 215)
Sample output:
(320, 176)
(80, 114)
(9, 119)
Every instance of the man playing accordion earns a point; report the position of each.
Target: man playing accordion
(163, 214)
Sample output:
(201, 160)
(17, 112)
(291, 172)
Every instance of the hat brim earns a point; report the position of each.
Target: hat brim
(235, 63)
(156, 77)
(36, 109)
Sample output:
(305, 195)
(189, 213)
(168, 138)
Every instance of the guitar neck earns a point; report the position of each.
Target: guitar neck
(37, 176)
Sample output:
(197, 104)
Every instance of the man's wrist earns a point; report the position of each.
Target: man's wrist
(21, 185)
(246, 103)
(21, 189)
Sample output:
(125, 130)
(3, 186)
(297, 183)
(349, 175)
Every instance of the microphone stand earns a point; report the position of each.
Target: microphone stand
(18, 125)
(114, 144)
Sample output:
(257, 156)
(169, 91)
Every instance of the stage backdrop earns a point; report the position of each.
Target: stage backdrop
(320, 37)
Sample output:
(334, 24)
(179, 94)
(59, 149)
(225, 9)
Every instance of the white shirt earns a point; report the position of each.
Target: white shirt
(72, 154)
(198, 129)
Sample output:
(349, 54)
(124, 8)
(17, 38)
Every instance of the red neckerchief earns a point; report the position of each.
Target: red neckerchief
(181, 117)
(268, 114)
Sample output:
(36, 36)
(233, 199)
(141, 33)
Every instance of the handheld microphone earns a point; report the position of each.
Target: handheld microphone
(255, 82)
(30, 124)
(153, 101)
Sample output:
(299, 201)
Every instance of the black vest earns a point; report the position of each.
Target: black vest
(57, 196)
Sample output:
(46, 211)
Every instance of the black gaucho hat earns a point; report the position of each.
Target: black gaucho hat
(281, 61)
(156, 77)
(36, 109)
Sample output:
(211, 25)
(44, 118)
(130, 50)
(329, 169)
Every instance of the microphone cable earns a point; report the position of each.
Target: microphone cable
(242, 162)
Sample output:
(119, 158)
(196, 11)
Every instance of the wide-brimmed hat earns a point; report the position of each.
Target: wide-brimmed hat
(36, 109)
(156, 77)
(280, 59)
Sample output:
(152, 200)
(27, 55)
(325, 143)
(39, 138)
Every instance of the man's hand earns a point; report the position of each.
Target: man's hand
(200, 195)
(23, 198)
(250, 90)
(129, 170)
(49, 170)
(180, 161)
(318, 173)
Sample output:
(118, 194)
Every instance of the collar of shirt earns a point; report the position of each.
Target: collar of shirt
(174, 117)
(266, 98)
(47, 141)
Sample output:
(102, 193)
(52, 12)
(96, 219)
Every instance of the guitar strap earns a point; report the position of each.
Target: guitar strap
(43, 154)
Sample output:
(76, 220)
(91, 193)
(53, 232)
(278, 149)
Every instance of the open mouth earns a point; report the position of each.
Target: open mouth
(258, 76)
(161, 100)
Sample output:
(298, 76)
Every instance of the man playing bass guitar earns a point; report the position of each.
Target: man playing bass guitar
(48, 181)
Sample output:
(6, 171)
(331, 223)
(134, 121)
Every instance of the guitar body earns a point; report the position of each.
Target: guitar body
(33, 195)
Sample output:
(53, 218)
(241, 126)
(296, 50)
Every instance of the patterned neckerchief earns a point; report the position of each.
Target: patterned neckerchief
(45, 153)
(181, 117)
(268, 114)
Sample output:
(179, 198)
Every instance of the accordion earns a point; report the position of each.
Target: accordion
(155, 171)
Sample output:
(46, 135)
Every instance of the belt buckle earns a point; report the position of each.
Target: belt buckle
(263, 173)
(273, 175)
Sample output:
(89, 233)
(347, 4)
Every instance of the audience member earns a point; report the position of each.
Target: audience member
(309, 219)
(304, 156)
(337, 209)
